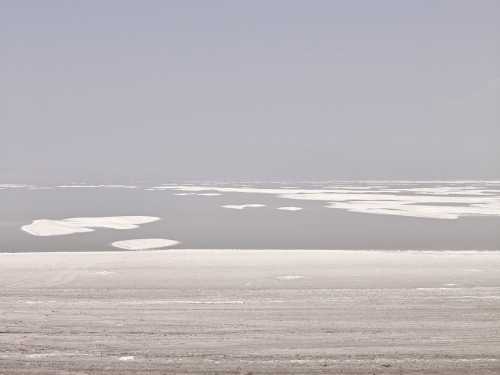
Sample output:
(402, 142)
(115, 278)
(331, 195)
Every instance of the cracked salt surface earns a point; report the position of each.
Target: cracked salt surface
(290, 208)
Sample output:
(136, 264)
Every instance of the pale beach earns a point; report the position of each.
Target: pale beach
(250, 312)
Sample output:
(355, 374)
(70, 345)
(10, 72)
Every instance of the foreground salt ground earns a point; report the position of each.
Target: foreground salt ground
(223, 311)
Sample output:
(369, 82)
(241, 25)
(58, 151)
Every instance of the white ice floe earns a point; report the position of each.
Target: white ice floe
(145, 243)
(243, 206)
(48, 227)
(290, 208)
(435, 201)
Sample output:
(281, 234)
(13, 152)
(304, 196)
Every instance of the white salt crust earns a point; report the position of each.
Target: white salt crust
(243, 206)
(436, 202)
(48, 227)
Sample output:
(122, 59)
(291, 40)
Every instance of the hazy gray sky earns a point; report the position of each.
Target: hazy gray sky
(124, 90)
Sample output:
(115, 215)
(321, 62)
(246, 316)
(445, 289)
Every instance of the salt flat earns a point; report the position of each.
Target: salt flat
(250, 311)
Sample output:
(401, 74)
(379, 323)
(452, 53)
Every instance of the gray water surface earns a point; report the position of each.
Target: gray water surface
(199, 222)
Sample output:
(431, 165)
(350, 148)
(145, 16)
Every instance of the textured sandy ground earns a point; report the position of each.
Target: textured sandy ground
(276, 312)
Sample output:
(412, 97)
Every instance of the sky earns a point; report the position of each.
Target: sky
(112, 91)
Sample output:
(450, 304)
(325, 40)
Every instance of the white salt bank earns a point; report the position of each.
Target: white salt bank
(290, 208)
(144, 243)
(48, 227)
(243, 206)
(436, 202)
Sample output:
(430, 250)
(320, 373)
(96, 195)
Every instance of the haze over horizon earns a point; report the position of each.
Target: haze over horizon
(221, 90)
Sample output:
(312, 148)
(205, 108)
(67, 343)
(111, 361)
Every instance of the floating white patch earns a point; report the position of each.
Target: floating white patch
(144, 244)
(47, 227)
(243, 206)
(290, 208)
(450, 201)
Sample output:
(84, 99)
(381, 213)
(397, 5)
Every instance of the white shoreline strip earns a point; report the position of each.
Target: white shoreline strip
(175, 268)
(144, 243)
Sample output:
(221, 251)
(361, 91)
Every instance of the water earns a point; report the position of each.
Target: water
(200, 222)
